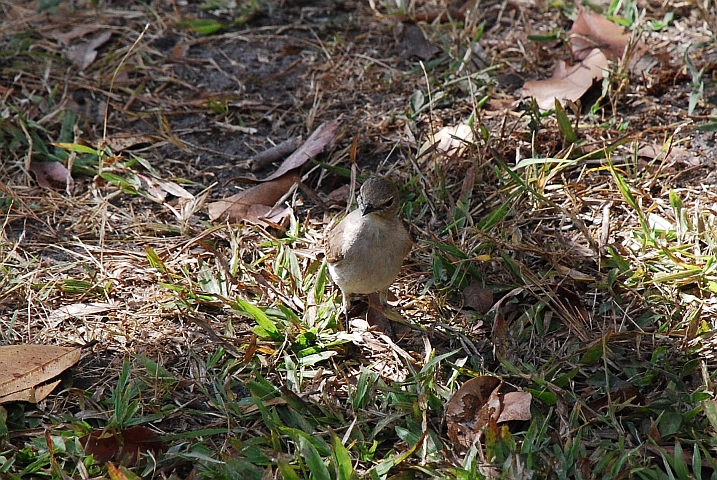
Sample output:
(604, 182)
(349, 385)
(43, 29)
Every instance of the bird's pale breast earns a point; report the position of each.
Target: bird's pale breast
(373, 251)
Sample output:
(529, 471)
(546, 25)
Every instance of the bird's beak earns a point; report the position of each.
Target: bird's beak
(368, 208)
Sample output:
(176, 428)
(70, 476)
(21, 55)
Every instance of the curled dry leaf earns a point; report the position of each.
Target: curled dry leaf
(77, 31)
(569, 303)
(673, 154)
(590, 31)
(478, 298)
(450, 141)
(83, 54)
(52, 175)
(339, 196)
(414, 42)
(123, 446)
(567, 83)
(321, 137)
(469, 408)
(270, 155)
(254, 203)
(478, 403)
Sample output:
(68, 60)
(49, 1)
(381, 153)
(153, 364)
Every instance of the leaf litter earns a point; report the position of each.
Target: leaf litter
(476, 224)
(595, 41)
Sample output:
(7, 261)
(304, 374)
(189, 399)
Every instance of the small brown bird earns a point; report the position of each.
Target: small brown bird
(366, 249)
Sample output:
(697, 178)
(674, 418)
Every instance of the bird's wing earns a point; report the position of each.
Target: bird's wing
(333, 243)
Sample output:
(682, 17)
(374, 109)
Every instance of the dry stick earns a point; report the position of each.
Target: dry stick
(214, 336)
(269, 156)
(103, 142)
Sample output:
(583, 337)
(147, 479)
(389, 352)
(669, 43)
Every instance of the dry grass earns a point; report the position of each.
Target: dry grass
(223, 339)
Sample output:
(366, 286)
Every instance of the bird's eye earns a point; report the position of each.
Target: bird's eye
(388, 203)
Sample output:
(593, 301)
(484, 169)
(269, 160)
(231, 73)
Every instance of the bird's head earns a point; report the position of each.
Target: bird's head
(378, 195)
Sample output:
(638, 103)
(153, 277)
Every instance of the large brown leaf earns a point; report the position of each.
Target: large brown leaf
(25, 369)
(567, 83)
(254, 204)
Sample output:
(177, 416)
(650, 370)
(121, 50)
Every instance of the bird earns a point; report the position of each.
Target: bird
(365, 251)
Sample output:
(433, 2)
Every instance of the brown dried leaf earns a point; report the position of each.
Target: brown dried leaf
(248, 204)
(478, 298)
(173, 188)
(52, 175)
(25, 367)
(78, 310)
(180, 50)
(77, 31)
(321, 137)
(83, 54)
(567, 83)
(31, 395)
(338, 197)
(674, 154)
(470, 409)
(122, 141)
(516, 406)
(590, 31)
(415, 43)
(570, 303)
(123, 446)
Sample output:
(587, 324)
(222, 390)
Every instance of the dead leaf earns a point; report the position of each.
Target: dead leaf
(591, 30)
(414, 43)
(83, 54)
(158, 188)
(271, 155)
(478, 298)
(123, 446)
(122, 141)
(52, 175)
(673, 154)
(180, 50)
(78, 310)
(338, 197)
(173, 189)
(266, 216)
(25, 367)
(469, 408)
(479, 404)
(569, 303)
(321, 137)
(31, 395)
(567, 83)
(450, 141)
(516, 406)
(239, 207)
(77, 31)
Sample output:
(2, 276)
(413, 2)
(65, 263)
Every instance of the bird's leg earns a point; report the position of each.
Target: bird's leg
(376, 315)
(346, 304)
(386, 310)
(383, 297)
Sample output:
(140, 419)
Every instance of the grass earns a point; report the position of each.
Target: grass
(225, 342)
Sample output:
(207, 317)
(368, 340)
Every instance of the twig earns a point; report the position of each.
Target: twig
(269, 156)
